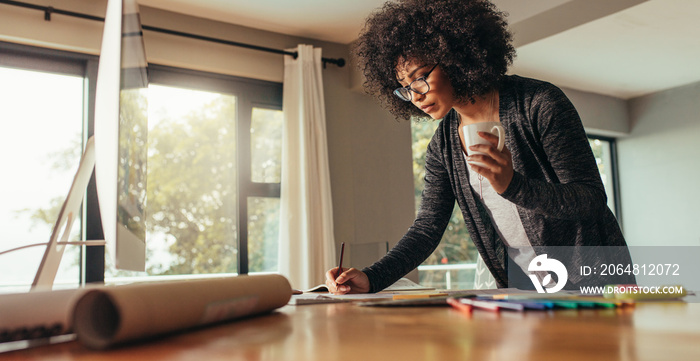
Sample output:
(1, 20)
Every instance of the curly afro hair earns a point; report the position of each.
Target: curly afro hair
(468, 38)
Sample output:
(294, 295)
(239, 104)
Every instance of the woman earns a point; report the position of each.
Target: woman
(447, 59)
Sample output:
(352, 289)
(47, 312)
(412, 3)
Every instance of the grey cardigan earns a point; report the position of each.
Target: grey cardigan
(556, 186)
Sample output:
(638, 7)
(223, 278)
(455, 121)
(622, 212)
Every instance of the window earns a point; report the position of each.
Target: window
(41, 115)
(266, 167)
(214, 161)
(604, 153)
(214, 165)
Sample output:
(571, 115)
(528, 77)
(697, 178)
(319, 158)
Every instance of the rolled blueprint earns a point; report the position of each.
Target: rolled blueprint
(108, 316)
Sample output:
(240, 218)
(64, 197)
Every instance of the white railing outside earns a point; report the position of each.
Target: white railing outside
(448, 276)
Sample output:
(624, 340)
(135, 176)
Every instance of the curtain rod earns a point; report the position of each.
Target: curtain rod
(48, 10)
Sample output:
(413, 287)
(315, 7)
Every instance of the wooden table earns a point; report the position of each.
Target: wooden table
(663, 331)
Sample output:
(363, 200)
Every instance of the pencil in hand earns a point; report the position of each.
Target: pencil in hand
(340, 263)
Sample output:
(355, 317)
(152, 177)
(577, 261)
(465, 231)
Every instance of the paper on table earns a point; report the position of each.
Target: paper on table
(319, 288)
(403, 284)
(404, 287)
(313, 299)
(108, 316)
(362, 296)
(320, 294)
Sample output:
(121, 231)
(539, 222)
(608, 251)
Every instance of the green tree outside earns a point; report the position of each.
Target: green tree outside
(192, 191)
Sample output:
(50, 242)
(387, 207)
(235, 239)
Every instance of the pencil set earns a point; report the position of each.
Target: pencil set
(520, 304)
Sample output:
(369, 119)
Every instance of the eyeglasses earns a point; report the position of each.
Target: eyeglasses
(418, 86)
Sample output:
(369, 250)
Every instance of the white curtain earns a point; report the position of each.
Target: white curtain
(306, 245)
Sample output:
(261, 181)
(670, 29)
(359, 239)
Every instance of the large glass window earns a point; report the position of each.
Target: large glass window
(214, 161)
(41, 117)
(214, 165)
(191, 186)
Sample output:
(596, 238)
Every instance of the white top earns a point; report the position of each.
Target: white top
(506, 220)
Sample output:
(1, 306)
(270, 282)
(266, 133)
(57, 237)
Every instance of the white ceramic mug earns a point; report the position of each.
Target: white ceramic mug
(471, 136)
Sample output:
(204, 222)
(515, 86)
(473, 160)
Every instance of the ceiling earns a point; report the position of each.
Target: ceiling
(621, 48)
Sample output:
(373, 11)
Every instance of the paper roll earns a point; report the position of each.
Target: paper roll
(109, 316)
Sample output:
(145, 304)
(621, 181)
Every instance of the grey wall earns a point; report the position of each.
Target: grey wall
(658, 160)
(600, 114)
(659, 166)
